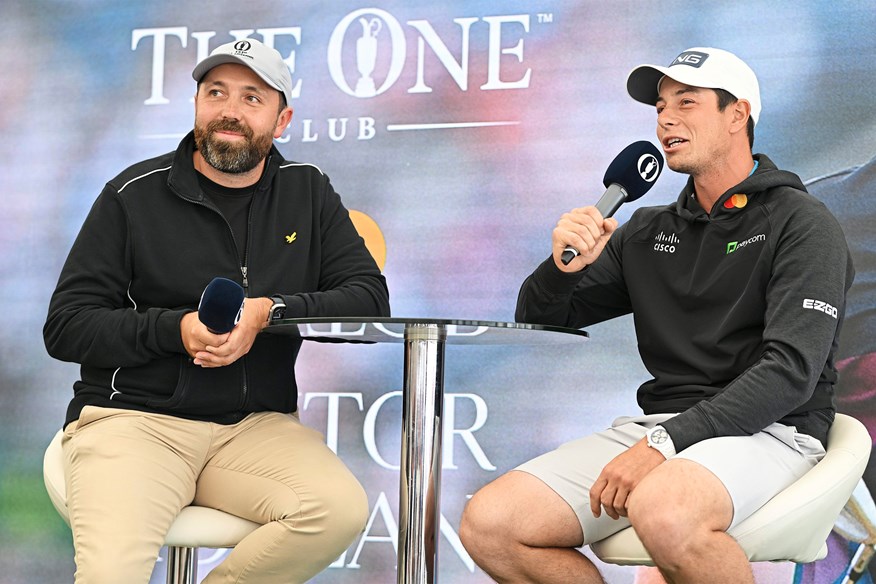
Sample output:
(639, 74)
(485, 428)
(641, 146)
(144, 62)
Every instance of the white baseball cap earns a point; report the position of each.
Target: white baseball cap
(699, 67)
(263, 60)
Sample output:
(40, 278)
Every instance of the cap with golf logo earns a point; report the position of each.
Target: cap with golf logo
(699, 67)
(266, 62)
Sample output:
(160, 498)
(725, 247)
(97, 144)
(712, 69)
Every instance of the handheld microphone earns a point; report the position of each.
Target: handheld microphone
(630, 175)
(221, 305)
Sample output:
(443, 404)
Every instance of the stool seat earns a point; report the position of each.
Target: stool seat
(194, 527)
(793, 525)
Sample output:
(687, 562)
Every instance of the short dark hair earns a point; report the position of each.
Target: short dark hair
(725, 98)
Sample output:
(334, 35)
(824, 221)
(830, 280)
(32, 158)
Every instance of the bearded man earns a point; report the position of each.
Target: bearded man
(168, 413)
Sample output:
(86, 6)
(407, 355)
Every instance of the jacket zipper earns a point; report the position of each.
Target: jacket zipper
(243, 271)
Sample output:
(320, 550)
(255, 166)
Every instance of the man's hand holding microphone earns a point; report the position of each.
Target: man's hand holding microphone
(585, 230)
(581, 234)
(225, 325)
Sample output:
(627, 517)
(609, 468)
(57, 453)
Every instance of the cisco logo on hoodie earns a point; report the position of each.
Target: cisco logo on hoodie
(666, 243)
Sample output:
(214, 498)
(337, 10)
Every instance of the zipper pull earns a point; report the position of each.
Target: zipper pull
(245, 281)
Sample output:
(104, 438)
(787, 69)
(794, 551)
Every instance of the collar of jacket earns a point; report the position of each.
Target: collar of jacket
(183, 178)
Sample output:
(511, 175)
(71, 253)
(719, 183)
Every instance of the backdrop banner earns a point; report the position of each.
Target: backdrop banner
(458, 132)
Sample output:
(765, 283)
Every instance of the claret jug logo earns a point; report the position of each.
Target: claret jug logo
(649, 167)
(371, 23)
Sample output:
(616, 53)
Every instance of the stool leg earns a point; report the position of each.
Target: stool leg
(858, 565)
(182, 565)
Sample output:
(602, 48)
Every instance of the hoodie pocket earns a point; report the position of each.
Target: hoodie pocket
(204, 391)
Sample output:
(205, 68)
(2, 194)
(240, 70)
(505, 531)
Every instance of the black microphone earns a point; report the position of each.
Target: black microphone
(630, 175)
(221, 305)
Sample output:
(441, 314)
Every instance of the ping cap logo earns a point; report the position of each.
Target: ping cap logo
(691, 58)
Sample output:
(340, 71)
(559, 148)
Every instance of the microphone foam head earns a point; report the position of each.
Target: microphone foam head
(636, 169)
(221, 305)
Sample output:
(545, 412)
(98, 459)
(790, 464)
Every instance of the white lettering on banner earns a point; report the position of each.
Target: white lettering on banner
(332, 414)
(385, 329)
(494, 80)
(369, 426)
(366, 129)
(390, 525)
(335, 329)
(458, 71)
(353, 69)
(467, 434)
(341, 330)
(369, 430)
(158, 50)
(202, 38)
(372, 19)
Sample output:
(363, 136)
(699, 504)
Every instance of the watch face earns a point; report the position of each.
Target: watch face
(278, 311)
(658, 436)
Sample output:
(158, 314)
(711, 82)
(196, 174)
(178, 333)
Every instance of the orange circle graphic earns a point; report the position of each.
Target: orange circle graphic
(370, 231)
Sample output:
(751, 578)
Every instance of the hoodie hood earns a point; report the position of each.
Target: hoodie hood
(766, 176)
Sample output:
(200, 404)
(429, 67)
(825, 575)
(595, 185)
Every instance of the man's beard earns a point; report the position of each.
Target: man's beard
(232, 157)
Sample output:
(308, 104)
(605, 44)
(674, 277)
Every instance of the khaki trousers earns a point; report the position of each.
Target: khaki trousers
(129, 473)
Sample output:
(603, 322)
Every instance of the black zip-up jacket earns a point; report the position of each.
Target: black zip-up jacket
(737, 313)
(153, 241)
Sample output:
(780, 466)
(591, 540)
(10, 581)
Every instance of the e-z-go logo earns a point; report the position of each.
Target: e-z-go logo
(368, 50)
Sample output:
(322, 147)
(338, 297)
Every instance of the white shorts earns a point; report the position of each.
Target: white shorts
(778, 456)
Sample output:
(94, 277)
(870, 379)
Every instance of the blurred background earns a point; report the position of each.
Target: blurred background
(486, 120)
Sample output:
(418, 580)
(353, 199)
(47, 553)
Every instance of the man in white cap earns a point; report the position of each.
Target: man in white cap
(736, 320)
(169, 413)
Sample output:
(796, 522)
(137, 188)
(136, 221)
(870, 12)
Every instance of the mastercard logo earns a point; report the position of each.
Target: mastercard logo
(736, 201)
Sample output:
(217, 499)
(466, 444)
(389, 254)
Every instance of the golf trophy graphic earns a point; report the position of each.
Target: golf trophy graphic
(366, 56)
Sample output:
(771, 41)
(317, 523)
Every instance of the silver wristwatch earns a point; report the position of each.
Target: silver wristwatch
(278, 309)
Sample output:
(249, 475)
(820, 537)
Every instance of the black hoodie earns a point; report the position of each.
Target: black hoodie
(737, 313)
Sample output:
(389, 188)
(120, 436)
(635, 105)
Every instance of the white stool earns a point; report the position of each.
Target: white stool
(793, 525)
(194, 527)
(857, 523)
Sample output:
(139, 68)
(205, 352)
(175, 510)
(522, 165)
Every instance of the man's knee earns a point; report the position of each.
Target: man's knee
(484, 524)
(475, 520)
(673, 510)
(346, 505)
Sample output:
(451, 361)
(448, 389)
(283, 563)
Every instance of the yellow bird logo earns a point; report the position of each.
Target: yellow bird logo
(291, 238)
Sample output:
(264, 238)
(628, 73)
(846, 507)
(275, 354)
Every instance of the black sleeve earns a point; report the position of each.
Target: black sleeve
(91, 320)
(552, 297)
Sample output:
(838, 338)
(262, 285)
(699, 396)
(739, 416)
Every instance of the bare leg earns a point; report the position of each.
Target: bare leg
(648, 575)
(518, 530)
(681, 512)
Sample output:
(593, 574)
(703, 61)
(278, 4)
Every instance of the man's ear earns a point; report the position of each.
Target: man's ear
(283, 121)
(741, 112)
